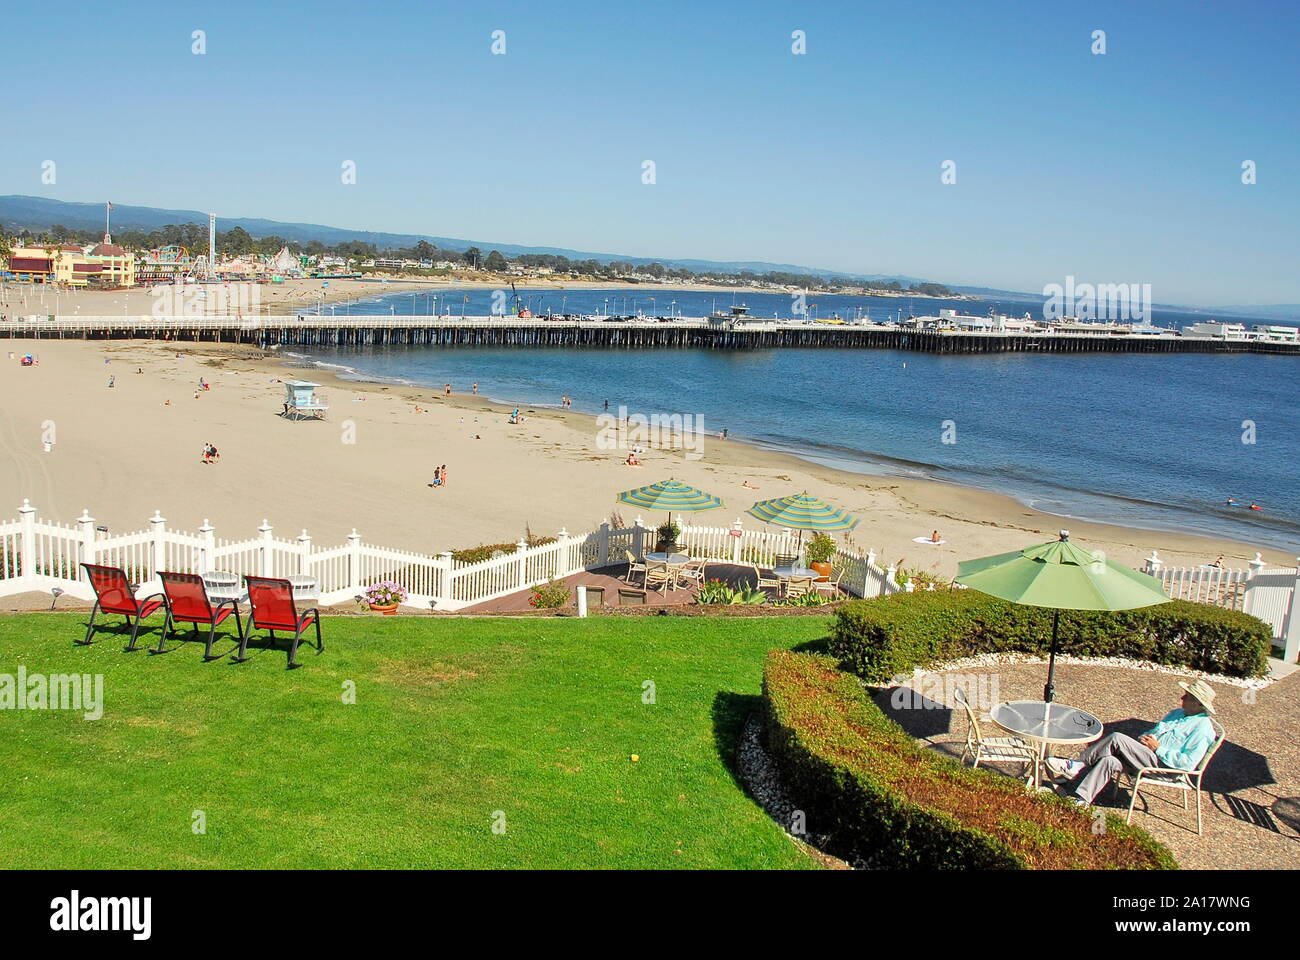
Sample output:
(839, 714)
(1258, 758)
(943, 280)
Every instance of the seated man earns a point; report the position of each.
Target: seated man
(1178, 741)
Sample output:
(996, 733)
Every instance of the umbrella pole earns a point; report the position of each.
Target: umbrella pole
(1049, 691)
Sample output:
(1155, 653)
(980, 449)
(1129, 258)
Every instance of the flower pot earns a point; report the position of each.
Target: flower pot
(823, 570)
(387, 609)
(665, 546)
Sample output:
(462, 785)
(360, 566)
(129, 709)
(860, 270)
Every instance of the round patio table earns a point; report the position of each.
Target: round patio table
(223, 586)
(795, 573)
(672, 559)
(304, 586)
(1043, 723)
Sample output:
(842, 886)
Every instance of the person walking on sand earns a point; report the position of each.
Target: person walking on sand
(111, 381)
(444, 474)
(475, 388)
(446, 389)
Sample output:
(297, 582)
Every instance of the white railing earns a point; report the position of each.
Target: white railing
(1271, 595)
(37, 555)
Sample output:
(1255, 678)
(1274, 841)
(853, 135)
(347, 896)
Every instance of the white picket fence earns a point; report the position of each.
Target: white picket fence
(1272, 595)
(38, 555)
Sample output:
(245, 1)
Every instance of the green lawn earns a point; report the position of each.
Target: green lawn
(453, 720)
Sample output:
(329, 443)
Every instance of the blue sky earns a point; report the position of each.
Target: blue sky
(1117, 168)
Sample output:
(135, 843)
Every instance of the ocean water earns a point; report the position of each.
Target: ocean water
(1153, 441)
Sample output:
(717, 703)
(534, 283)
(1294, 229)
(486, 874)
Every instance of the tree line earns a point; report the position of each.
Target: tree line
(238, 242)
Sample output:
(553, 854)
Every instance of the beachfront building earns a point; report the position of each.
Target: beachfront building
(1216, 330)
(1278, 332)
(116, 263)
(170, 264)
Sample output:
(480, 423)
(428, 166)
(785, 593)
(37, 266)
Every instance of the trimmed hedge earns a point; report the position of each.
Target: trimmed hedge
(872, 791)
(883, 637)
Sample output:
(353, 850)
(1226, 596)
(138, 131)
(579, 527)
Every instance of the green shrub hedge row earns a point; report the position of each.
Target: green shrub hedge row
(886, 636)
(871, 790)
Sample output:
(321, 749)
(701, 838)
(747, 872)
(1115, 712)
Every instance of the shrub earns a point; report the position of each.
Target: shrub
(885, 636)
(866, 785)
(549, 596)
(487, 551)
(820, 548)
(718, 591)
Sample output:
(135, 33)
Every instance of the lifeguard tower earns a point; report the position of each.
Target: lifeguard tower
(302, 401)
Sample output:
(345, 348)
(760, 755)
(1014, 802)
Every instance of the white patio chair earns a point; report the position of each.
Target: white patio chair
(659, 576)
(766, 579)
(798, 586)
(1175, 779)
(995, 749)
(692, 571)
(634, 566)
(831, 586)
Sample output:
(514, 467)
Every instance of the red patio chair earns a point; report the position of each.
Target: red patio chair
(187, 602)
(113, 594)
(273, 609)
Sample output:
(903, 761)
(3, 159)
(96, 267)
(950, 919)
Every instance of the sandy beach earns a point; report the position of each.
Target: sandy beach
(124, 452)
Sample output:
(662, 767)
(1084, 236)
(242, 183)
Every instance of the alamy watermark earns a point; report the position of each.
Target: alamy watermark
(1100, 301)
(55, 691)
(658, 431)
(198, 300)
(935, 691)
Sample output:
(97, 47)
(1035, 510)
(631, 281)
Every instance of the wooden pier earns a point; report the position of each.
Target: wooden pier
(353, 331)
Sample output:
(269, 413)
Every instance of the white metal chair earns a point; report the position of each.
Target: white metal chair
(831, 586)
(798, 586)
(692, 571)
(1175, 779)
(995, 749)
(766, 579)
(659, 576)
(634, 566)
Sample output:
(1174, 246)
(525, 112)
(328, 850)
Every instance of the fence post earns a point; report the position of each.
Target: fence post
(638, 539)
(521, 551)
(208, 551)
(602, 545)
(158, 529)
(1291, 631)
(737, 541)
(354, 561)
(1256, 567)
(582, 600)
(264, 550)
(562, 566)
(27, 550)
(86, 530)
(304, 553)
(445, 588)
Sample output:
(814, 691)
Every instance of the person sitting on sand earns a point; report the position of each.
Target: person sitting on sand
(1218, 563)
(437, 477)
(216, 457)
(632, 461)
(749, 485)
(1178, 741)
(935, 538)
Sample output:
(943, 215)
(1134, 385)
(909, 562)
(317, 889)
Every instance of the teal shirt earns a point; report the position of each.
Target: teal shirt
(1183, 739)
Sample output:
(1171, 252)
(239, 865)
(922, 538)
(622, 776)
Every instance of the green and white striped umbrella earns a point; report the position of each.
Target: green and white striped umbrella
(670, 495)
(803, 513)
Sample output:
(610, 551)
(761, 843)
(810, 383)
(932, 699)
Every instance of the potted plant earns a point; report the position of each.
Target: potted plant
(820, 550)
(384, 596)
(667, 537)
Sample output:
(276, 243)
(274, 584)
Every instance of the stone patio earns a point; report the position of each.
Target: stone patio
(1251, 802)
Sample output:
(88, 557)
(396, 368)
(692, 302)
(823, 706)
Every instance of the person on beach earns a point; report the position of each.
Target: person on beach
(475, 388)
(1218, 563)
(1179, 741)
(935, 538)
(446, 389)
(111, 381)
(749, 485)
(437, 477)
(606, 404)
(632, 461)
(443, 474)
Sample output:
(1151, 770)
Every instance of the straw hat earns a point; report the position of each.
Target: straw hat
(1202, 691)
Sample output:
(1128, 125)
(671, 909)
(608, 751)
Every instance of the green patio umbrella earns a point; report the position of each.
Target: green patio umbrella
(1063, 576)
(670, 495)
(803, 512)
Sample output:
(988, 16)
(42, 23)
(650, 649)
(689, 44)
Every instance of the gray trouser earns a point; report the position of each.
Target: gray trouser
(1105, 759)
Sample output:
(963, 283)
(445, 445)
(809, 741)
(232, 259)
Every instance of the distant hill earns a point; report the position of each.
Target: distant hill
(41, 213)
